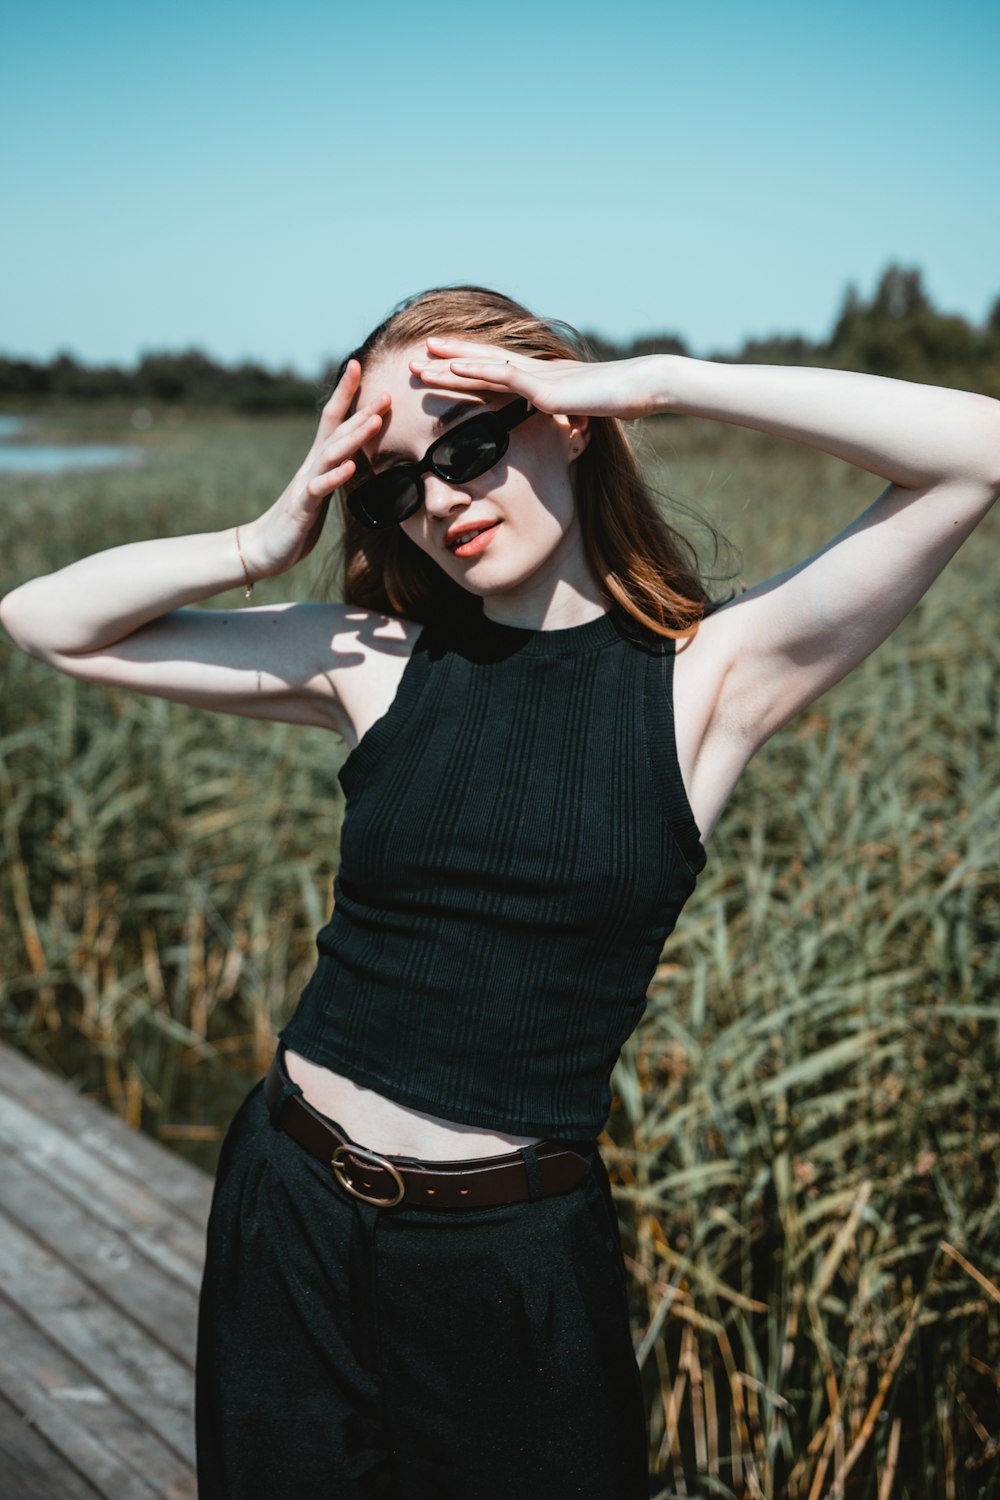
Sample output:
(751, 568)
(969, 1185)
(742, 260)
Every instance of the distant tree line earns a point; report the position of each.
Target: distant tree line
(896, 333)
(186, 379)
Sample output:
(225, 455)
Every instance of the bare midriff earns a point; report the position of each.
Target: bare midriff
(372, 1120)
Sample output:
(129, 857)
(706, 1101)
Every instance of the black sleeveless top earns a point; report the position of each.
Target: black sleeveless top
(515, 849)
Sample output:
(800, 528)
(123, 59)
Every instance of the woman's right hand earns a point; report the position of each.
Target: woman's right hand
(290, 529)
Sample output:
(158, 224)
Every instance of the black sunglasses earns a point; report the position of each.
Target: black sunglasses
(468, 450)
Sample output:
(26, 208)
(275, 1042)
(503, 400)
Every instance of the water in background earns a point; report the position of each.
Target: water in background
(56, 458)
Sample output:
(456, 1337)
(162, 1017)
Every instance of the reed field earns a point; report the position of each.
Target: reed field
(806, 1129)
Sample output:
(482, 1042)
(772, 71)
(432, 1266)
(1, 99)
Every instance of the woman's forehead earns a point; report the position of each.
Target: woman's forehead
(391, 372)
(419, 412)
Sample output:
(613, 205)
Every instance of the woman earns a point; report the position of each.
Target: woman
(414, 1285)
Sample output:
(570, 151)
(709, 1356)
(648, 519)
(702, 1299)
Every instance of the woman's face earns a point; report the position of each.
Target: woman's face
(526, 500)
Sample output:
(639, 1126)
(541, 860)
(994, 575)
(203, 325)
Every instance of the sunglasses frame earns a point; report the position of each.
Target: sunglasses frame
(501, 423)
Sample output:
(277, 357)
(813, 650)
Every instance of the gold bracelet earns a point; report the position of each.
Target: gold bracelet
(246, 570)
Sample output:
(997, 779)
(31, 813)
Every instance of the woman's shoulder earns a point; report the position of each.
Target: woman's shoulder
(370, 651)
(375, 630)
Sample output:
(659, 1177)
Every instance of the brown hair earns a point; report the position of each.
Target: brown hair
(646, 566)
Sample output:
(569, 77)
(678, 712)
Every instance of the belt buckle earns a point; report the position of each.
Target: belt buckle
(339, 1171)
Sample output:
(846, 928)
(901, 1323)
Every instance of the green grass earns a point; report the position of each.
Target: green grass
(805, 1134)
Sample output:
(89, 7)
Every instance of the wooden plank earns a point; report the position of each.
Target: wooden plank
(155, 1386)
(119, 1202)
(92, 1431)
(101, 1249)
(104, 1136)
(114, 1264)
(30, 1468)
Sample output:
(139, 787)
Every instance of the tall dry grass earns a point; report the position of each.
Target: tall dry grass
(805, 1133)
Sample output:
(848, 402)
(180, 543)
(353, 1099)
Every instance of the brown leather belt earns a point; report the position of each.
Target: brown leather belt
(516, 1177)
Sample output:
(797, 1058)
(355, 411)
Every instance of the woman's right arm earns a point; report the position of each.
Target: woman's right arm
(121, 617)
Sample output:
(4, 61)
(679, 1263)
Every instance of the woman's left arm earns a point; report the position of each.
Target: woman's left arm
(786, 641)
(915, 436)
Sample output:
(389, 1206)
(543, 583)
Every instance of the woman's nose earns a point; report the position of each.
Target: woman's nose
(441, 498)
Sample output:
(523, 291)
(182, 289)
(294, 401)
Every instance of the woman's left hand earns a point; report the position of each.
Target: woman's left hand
(623, 388)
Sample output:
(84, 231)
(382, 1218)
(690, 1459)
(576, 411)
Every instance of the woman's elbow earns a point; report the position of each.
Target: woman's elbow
(16, 618)
(991, 446)
(9, 614)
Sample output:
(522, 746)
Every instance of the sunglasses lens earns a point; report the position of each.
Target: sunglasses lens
(387, 499)
(468, 452)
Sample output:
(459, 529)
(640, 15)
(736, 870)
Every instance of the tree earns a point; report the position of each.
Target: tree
(900, 294)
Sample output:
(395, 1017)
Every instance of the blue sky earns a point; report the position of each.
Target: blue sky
(265, 181)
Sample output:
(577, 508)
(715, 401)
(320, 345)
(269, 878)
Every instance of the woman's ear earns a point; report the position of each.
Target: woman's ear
(578, 435)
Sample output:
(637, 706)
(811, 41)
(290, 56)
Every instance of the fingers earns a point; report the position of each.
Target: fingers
(457, 364)
(344, 391)
(330, 462)
(445, 346)
(494, 372)
(335, 460)
(323, 485)
(462, 354)
(485, 377)
(339, 435)
(339, 404)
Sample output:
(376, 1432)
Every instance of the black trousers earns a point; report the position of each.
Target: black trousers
(347, 1352)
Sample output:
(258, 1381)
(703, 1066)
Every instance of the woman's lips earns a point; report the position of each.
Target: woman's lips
(478, 543)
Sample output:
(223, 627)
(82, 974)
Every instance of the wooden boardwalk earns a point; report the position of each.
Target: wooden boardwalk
(101, 1245)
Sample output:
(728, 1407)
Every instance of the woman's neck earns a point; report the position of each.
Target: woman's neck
(561, 608)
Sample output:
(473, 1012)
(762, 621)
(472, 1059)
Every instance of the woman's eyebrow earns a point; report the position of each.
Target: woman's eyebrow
(449, 414)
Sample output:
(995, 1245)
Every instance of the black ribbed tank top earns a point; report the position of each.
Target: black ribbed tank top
(515, 849)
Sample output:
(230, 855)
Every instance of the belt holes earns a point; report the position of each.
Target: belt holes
(431, 1192)
(464, 1192)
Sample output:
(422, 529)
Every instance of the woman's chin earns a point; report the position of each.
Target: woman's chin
(483, 580)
